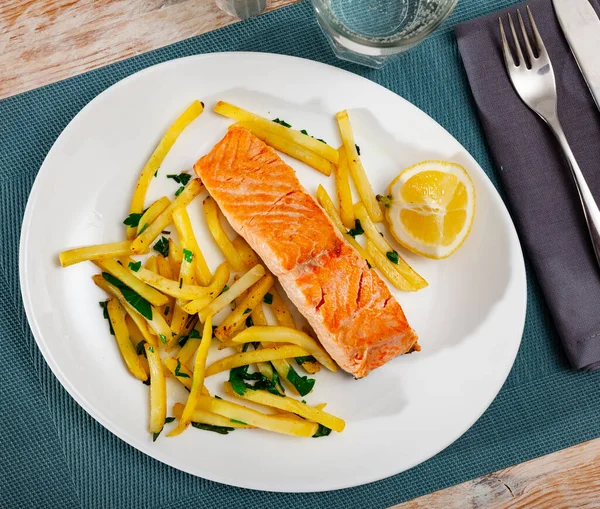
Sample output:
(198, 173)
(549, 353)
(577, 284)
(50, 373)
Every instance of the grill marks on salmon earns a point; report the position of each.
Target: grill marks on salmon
(350, 308)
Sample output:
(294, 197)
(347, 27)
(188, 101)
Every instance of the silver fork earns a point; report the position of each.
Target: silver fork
(536, 86)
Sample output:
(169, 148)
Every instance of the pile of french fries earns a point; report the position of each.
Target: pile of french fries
(161, 310)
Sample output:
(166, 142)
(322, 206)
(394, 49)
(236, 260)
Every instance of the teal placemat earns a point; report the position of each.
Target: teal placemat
(52, 454)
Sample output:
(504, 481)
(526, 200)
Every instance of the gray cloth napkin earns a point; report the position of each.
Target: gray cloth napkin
(541, 195)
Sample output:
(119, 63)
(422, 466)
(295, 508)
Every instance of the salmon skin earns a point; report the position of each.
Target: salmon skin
(350, 308)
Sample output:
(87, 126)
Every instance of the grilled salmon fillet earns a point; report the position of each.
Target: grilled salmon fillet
(350, 308)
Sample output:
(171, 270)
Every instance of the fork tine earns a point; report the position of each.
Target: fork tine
(526, 39)
(536, 34)
(517, 43)
(508, 57)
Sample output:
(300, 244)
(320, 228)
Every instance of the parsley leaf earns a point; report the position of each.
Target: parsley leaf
(162, 246)
(188, 255)
(282, 122)
(386, 201)
(357, 230)
(151, 349)
(239, 422)
(105, 315)
(303, 131)
(163, 338)
(143, 228)
(392, 256)
(238, 377)
(222, 430)
(182, 178)
(247, 310)
(306, 358)
(268, 298)
(302, 383)
(135, 266)
(166, 311)
(249, 322)
(141, 305)
(179, 191)
(194, 334)
(139, 349)
(132, 219)
(179, 373)
(225, 288)
(322, 431)
(169, 420)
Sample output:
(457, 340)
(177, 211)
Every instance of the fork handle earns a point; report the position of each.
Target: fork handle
(588, 203)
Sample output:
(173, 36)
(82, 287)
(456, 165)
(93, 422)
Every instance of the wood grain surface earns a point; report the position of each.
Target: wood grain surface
(43, 41)
(565, 479)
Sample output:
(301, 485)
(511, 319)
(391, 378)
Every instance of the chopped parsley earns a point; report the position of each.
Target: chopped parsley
(306, 358)
(163, 338)
(166, 311)
(322, 431)
(222, 430)
(182, 178)
(239, 422)
(179, 191)
(105, 315)
(386, 201)
(141, 305)
(225, 288)
(302, 383)
(162, 246)
(169, 420)
(239, 378)
(268, 298)
(143, 228)
(194, 334)
(282, 122)
(133, 219)
(247, 310)
(357, 149)
(156, 173)
(357, 230)
(151, 349)
(139, 349)
(188, 255)
(392, 256)
(303, 131)
(249, 322)
(135, 266)
(179, 373)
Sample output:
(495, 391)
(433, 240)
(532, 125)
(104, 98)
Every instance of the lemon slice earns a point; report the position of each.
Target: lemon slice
(430, 208)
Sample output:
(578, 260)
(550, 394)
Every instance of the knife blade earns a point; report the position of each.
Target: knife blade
(581, 26)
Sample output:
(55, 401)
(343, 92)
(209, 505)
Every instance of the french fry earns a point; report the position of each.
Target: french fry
(128, 278)
(175, 258)
(157, 157)
(290, 148)
(97, 252)
(344, 192)
(257, 419)
(414, 280)
(117, 320)
(139, 320)
(189, 243)
(211, 213)
(281, 311)
(188, 350)
(151, 264)
(361, 181)
(156, 323)
(164, 267)
(388, 269)
(246, 252)
(170, 287)
(280, 334)
(158, 390)
(331, 211)
(142, 242)
(226, 298)
(241, 115)
(289, 405)
(311, 367)
(197, 378)
(205, 417)
(152, 213)
(252, 356)
(137, 338)
(236, 319)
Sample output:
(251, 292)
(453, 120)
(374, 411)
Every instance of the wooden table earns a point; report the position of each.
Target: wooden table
(35, 36)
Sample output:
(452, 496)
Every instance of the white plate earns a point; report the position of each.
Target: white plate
(470, 319)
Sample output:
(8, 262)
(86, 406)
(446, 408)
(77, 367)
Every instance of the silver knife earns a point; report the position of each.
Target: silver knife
(581, 26)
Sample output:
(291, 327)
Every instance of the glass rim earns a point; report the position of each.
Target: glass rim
(352, 36)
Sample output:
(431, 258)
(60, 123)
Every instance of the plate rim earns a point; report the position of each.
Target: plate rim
(132, 441)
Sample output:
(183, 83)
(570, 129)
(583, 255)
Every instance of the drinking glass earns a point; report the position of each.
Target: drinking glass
(243, 9)
(369, 32)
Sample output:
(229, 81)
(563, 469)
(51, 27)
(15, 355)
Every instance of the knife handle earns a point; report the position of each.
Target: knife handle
(588, 203)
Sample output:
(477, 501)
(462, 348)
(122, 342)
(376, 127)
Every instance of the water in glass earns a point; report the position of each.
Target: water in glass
(243, 9)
